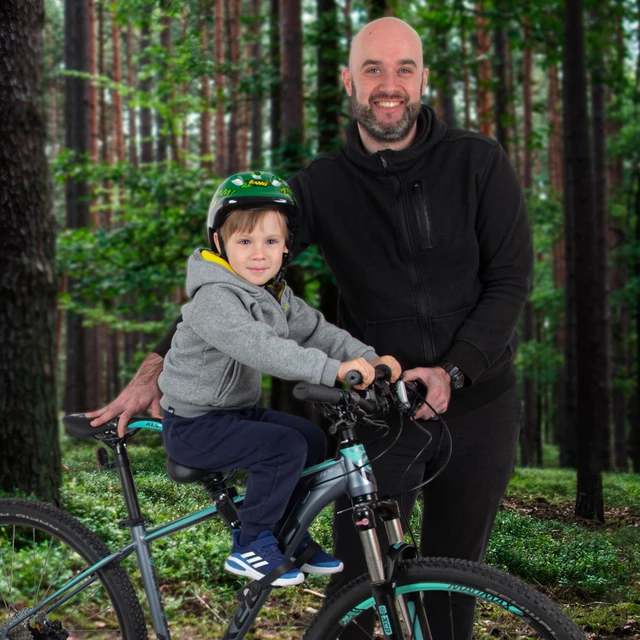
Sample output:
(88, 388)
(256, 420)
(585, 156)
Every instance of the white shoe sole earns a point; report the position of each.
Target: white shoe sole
(250, 572)
(321, 571)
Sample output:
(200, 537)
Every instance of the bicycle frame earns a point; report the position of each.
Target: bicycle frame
(320, 485)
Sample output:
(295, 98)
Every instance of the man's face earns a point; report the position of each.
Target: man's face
(386, 79)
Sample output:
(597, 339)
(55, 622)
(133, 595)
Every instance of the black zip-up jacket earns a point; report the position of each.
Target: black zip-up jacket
(430, 247)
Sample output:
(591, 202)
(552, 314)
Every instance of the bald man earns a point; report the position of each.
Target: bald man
(426, 232)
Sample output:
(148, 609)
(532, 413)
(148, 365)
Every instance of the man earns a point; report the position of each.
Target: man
(425, 230)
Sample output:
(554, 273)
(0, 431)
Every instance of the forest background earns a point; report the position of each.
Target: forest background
(121, 117)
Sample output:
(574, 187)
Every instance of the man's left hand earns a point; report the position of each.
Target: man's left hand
(438, 383)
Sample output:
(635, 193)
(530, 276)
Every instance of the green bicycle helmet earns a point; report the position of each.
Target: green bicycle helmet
(251, 190)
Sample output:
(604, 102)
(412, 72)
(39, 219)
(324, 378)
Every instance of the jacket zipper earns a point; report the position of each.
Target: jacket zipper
(422, 214)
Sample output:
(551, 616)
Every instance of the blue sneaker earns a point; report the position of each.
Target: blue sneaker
(259, 558)
(320, 562)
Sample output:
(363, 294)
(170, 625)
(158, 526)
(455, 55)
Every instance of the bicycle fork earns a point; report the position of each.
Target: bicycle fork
(411, 615)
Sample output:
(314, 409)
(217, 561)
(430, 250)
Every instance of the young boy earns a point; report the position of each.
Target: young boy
(243, 321)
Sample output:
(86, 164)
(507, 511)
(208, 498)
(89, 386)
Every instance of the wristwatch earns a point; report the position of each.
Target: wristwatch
(457, 377)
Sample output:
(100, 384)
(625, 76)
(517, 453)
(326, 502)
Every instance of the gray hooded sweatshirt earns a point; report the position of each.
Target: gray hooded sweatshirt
(233, 331)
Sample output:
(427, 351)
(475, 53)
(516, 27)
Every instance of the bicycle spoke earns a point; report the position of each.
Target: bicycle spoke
(13, 555)
(99, 613)
(57, 573)
(46, 561)
(81, 603)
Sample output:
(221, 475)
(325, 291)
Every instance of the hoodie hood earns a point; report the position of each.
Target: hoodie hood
(430, 131)
(206, 267)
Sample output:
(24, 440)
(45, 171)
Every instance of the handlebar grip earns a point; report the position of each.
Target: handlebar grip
(383, 372)
(317, 393)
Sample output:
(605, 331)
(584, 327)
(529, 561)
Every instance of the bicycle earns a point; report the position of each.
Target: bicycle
(79, 588)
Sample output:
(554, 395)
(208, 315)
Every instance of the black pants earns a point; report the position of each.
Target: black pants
(460, 505)
(275, 447)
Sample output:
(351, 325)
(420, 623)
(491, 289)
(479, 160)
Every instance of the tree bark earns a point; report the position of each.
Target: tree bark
(81, 390)
(258, 85)
(275, 85)
(590, 315)
(218, 44)
(206, 160)
(233, 36)
(484, 89)
(291, 105)
(146, 116)
(29, 446)
(329, 100)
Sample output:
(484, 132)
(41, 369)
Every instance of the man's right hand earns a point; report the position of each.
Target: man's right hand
(140, 394)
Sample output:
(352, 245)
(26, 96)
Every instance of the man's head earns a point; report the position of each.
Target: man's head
(385, 81)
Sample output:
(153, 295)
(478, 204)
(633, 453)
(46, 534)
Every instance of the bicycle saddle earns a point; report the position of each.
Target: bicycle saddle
(79, 425)
(185, 475)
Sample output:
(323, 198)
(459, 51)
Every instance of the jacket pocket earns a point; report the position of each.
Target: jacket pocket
(399, 337)
(443, 331)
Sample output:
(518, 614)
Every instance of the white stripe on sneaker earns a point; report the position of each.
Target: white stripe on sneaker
(247, 555)
(252, 561)
(260, 564)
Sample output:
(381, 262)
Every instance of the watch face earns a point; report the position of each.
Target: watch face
(458, 381)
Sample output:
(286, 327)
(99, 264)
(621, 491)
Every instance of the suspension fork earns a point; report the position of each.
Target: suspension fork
(412, 613)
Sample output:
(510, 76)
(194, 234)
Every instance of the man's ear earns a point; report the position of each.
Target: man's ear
(425, 80)
(346, 79)
(217, 242)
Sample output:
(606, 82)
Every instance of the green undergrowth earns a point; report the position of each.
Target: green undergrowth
(593, 570)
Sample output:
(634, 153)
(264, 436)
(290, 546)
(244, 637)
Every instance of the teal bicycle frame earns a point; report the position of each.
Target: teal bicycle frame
(319, 486)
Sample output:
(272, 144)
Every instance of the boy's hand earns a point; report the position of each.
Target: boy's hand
(367, 372)
(392, 363)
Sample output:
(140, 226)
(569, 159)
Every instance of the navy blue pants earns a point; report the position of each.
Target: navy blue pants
(273, 446)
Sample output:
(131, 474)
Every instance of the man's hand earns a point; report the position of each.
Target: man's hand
(390, 362)
(139, 395)
(438, 383)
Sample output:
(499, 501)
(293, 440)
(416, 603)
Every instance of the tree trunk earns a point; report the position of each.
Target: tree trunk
(501, 113)
(131, 81)
(218, 45)
(233, 37)
(81, 391)
(206, 160)
(466, 91)
(291, 91)
(276, 82)
(29, 447)
(590, 315)
(530, 436)
(598, 107)
(258, 86)
(329, 93)
(146, 116)
(484, 90)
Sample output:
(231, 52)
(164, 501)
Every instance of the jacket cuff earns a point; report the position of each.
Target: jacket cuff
(369, 355)
(468, 359)
(330, 372)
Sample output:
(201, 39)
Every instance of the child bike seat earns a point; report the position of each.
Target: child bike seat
(185, 475)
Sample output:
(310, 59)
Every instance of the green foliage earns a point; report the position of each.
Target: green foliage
(557, 555)
(121, 272)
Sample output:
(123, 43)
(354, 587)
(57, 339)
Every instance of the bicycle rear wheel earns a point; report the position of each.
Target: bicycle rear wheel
(41, 549)
(430, 590)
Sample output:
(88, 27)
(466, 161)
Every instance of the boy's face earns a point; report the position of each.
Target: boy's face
(256, 255)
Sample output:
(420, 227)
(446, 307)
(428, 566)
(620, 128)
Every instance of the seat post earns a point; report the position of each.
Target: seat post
(123, 465)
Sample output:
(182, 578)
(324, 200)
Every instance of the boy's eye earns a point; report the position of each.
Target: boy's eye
(243, 241)
(273, 241)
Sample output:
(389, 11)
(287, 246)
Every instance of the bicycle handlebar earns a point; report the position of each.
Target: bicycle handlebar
(330, 395)
(382, 373)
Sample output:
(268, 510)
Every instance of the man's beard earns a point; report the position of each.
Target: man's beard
(385, 131)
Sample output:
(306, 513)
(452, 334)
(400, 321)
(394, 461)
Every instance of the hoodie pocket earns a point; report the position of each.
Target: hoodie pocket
(400, 337)
(227, 381)
(444, 328)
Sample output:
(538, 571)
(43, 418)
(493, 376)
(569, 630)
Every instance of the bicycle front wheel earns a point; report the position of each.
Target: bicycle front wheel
(435, 598)
(42, 549)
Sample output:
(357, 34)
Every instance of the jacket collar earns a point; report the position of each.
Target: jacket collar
(430, 132)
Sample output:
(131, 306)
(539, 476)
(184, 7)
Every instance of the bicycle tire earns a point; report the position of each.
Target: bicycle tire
(41, 548)
(527, 612)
